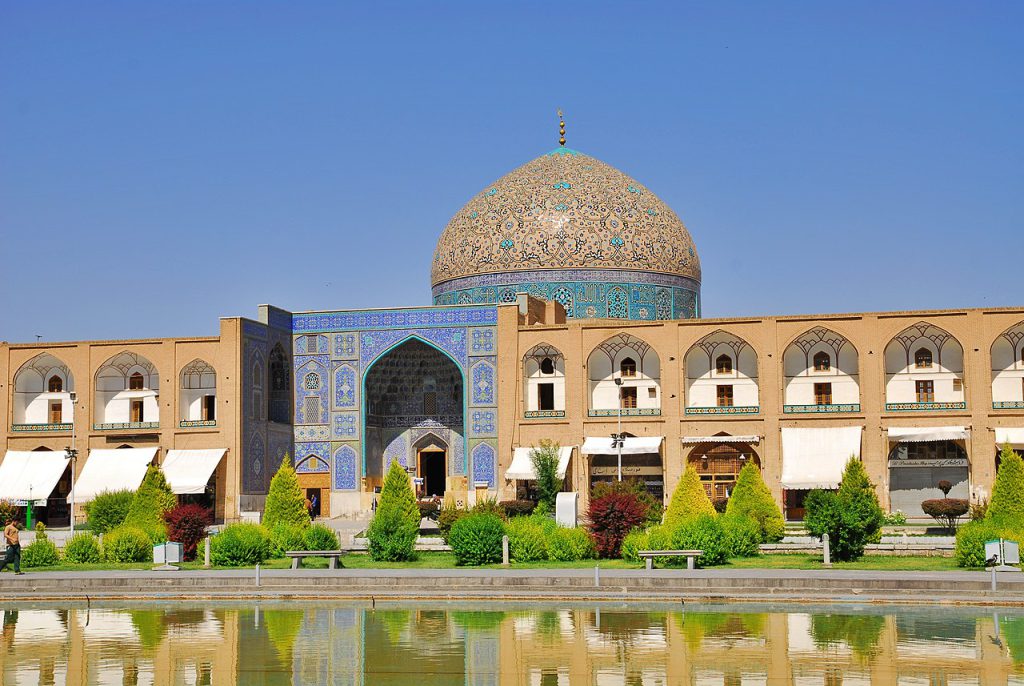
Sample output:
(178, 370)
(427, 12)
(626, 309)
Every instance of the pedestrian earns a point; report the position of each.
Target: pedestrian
(13, 547)
(314, 507)
(309, 507)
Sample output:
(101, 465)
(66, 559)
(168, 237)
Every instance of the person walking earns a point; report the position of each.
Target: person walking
(13, 547)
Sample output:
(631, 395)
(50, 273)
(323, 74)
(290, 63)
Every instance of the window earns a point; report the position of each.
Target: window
(137, 413)
(723, 365)
(628, 367)
(822, 394)
(311, 382)
(547, 367)
(279, 409)
(55, 384)
(136, 382)
(822, 362)
(652, 392)
(311, 409)
(725, 396)
(958, 385)
(311, 345)
(923, 358)
(546, 396)
(209, 408)
(925, 391)
(56, 411)
(430, 402)
(627, 397)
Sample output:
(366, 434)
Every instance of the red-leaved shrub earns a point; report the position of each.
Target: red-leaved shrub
(186, 524)
(612, 515)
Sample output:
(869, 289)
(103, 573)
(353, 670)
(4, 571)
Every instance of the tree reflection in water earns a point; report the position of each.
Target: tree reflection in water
(860, 632)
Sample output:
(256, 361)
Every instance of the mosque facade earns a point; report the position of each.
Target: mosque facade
(566, 307)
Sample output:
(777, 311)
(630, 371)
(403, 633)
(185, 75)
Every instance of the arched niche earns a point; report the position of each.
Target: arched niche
(634, 363)
(197, 395)
(42, 392)
(937, 384)
(544, 381)
(721, 375)
(1008, 369)
(127, 390)
(821, 370)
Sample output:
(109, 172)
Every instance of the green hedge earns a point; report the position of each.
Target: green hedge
(703, 533)
(285, 537)
(527, 539)
(239, 545)
(476, 539)
(83, 548)
(320, 537)
(108, 510)
(40, 553)
(127, 544)
(569, 545)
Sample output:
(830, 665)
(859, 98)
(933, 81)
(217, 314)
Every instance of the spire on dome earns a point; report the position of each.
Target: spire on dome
(561, 129)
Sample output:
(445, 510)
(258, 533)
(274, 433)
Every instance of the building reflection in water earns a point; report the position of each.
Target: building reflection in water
(522, 646)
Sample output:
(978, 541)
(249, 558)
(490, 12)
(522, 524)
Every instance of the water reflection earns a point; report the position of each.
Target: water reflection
(521, 645)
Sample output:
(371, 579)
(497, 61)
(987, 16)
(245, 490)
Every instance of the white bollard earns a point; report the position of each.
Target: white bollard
(828, 553)
(206, 553)
(257, 575)
(597, 575)
(504, 551)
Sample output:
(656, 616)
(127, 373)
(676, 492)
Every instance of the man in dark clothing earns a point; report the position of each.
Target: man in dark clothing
(13, 547)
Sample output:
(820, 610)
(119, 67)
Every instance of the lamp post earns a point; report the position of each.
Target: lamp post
(72, 454)
(618, 437)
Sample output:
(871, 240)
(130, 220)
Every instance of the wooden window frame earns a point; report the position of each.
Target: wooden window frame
(724, 395)
(542, 389)
(923, 359)
(55, 384)
(627, 370)
(924, 391)
(137, 412)
(823, 393)
(209, 408)
(58, 416)
(822, 362)
(627, 397)
(136, 382)
(723, 364)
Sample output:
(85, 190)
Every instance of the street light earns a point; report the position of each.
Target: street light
(72, 454)
(617, 438)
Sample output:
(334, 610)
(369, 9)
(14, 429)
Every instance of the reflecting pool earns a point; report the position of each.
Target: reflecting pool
(508, 643)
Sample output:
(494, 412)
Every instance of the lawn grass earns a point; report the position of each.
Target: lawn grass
(446, 560)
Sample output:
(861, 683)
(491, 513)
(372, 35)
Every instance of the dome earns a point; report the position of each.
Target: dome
(569, 227)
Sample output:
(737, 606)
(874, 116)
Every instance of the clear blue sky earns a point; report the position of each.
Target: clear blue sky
(163, 164)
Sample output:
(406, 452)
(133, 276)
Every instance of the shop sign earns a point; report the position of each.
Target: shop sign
(950, 462)
(627, 470)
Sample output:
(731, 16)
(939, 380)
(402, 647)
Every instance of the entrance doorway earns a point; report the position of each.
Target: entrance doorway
(313, 496)
(432, 470)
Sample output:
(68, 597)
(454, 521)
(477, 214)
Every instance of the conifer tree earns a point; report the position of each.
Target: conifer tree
(850, 516)
(150, 502)
(689, 500)
(751, 498)
(396, 524)
(285, 502)
(1006, 508)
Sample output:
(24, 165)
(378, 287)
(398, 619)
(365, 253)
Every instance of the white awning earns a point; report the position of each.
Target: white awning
(188, 471)
(928, 434)
(31, 474)
(522, 465)
(112, 470)
(815, 458)
(1015, 437)
(631, 445)
(690, 440)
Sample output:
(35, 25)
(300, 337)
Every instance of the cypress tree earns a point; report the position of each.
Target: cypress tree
(149, 504)
(1007, 505)
(751, 498)
(285, 502)
(689, 500)
(396, 524)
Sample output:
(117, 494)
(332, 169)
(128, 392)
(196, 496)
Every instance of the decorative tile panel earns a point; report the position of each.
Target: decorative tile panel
(483, 464)
(345, 426)
(924, 407)
(107, 426)
(413, 318)
(482, 341)
(736, 409)
(312, 458)
(484, 423)
(345, 468)
(311, 381)
(1008, 405)
(626, 412)
(346, 387)
(396, 451)
(373, 343)
(312, 433)
(38, 428)
(819, 409)
(345, 346)
(544, 414)
(482, 382)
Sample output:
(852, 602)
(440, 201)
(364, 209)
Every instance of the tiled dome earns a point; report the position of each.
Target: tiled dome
(564, 211)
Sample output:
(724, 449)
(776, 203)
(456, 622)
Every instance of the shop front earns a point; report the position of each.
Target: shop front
(641, 462)
(920, 459)
(815, 458)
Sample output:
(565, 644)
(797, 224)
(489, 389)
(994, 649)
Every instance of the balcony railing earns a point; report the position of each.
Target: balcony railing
(627, 412)
(830, 408)
(37, 428)
(543, 414)
(192, 423)
(1008, 405)
(726, 409)
(925, 407)
(107, 426)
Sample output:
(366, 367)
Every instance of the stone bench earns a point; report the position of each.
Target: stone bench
(691, 556)
(333, 557)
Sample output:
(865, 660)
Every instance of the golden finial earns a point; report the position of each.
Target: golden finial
(561, 129)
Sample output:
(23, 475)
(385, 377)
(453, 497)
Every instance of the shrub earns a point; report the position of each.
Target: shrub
(489, 506)
(517, 508)
(127, 544)
(970, 542)
(527, 541)
(689, 500)
(285, 502)
(545, 465)
(153, 499)
(476, 539)
(720, 504)
(449, 515)
(979, 509)
(8, 511)
(652, 505)
(569, 545)
(82, 548)
(751, 498)
(895, 518)
(396, 524)
(702, 533)
(743, 535)
(320, 537)
(633, 543)
(946, 511)
(108, 510)
(850, 516)
(285, 537)
(1006, 508)
(186, 524)
(240, 544)
(945, 487)
(429, 508)
(611, 517)
(40, 553)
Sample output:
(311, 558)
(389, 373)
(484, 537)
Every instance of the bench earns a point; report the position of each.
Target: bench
(691, 556)
(333, 557)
